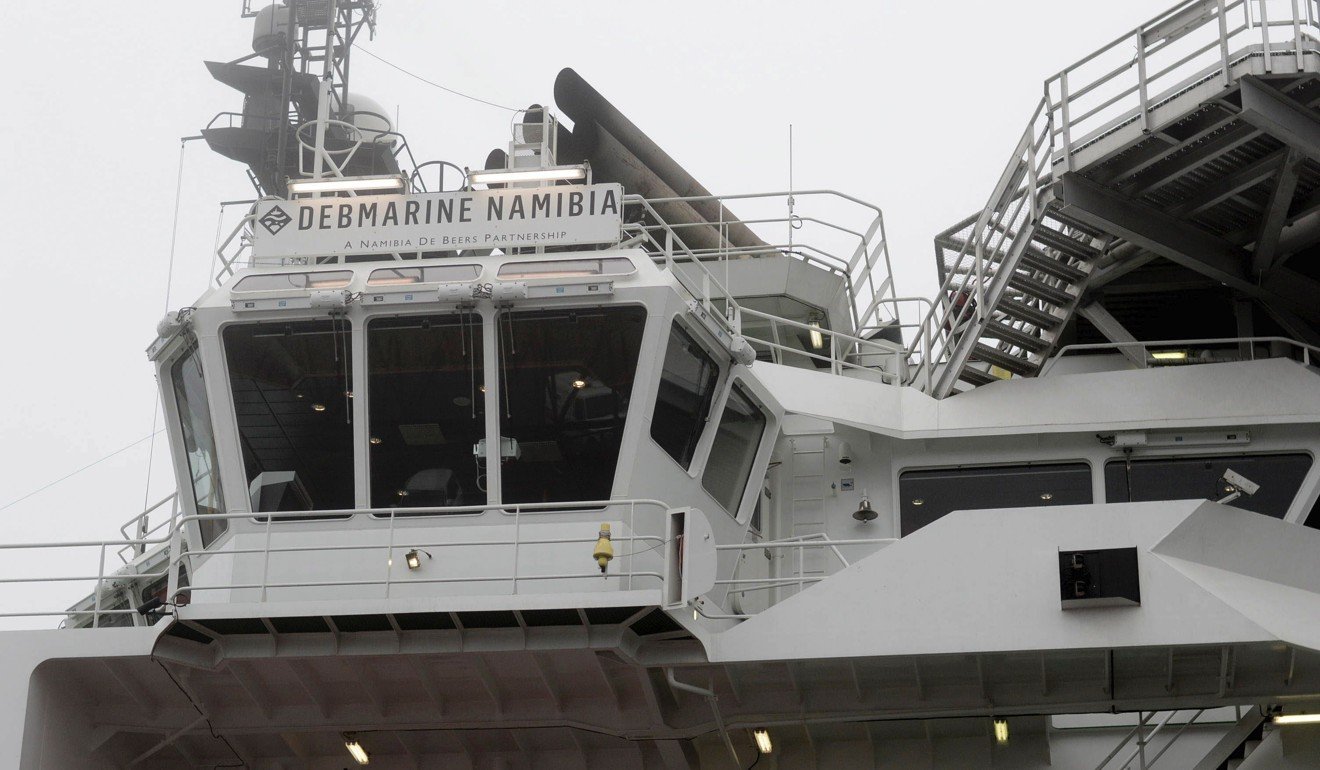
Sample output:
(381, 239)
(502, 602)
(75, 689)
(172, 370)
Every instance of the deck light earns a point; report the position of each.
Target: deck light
(579, 384)
(763, 743)
(359, 754)
(375, 440)
(390, 183)
(1001, 731)
(514, 176)
(817, 339)
(1169, 355)
(318, 407)
(414, 558)
(1296, 719)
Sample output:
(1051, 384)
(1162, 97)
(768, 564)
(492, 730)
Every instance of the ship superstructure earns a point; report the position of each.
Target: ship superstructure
(558, 462)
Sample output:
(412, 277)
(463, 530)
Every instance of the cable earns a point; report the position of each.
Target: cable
(80, 470)
(241, 762)
(431, 82)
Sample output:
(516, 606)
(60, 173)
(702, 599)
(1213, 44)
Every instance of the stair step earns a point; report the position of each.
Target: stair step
(1233, 764)
(1025, 340)
(1051, 294)
(1057, 240)
(976, 376)
(1250, 746)
(1024, 312)
(1038, 260)
(1012, 363)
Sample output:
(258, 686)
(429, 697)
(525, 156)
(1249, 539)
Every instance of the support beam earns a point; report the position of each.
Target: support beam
(1181, 243)
(1271, 225)
(1191, 159)
(250, 684)
(311, 686)
(1107, 275)
(1280, 116)
(1294, 327)
(1102, 319)
(140, 694)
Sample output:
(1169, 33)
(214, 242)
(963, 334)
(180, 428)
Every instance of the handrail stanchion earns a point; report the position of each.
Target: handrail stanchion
(100, 581)
(632, 540)
(389, 553)
(517, 540)
(265, 567)
(1141, 81)
(1223, 40)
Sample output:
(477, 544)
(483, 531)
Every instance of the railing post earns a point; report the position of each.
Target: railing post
(632, 532)
(517, 540)
(176, 556)
(389, 555)
(1141, 81)
(1223, 38)
(1297, 34)
(1067, 121)
(1265, 34)
(265, 567)
(100, 581)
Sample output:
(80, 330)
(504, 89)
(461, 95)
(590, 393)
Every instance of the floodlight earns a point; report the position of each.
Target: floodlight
(386, 183)
(516, 175)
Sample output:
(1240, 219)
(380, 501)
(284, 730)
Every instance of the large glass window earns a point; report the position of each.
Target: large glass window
(199, 441)
(734, 450)
(293, 396)
(927, 495)
(1200, 478)
(687, 386)
(567, 378)
(426, 410)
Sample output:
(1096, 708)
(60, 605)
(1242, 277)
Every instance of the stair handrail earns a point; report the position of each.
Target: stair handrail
(1309, 352)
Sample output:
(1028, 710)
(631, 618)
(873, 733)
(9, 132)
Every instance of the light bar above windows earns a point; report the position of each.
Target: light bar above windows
(407, 276)
(568, 268)
(337, 279)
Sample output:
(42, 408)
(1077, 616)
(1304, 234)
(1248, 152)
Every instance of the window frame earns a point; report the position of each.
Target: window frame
(1296, 505)
(1096, 474)
(360, 437)
(185, 499)
(723, 373)
(769, 434)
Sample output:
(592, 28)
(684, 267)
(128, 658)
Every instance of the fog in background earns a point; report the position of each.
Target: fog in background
(914, 106)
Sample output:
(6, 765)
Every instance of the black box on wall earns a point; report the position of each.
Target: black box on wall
(1099, 578)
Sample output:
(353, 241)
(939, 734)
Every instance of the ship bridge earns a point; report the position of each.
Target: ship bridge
(560, 462)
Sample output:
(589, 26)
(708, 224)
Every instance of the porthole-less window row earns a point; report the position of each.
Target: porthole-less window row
(566, 383)
(926, 495)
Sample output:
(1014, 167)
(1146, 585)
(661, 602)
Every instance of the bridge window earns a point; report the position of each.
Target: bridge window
(336, 279)
(568, 268)
(687, 387)
(734, 450)
(406, 276)
(293, 394)
(927, 495)
(426, 410)
(1280, 476)
(566, 382)
(199, 442)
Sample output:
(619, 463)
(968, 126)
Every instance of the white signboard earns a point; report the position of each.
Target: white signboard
(482, 219)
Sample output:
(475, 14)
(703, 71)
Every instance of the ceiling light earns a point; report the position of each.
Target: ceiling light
(579, 384)
(402, 493)
(513, 176)
(763, 743)
(375, 440)
(1169, 355)
(1296, 719)
(817, 339)
(389, 182)
(1001, 731)
(1047, 496)
(919, 501)
(318, 407)
(359, 754)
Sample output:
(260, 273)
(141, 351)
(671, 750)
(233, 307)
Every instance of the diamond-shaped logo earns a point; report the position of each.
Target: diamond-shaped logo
(275, 220)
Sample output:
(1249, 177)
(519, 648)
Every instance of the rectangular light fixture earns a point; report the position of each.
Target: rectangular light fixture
(1297, 719)
(360, 754)
(817, 339)
(763, 744)
(1169, 355)
(516, 175)
(1001, 731)
(386, 183)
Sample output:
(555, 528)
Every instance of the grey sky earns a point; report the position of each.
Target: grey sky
(913, 106)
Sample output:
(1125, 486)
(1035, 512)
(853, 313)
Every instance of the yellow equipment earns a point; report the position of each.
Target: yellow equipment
(604, 549)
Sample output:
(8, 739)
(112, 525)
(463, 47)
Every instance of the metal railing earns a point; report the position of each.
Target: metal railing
(1195, 42)
(1143, 741)
(379, 528)
(1246, 347)
(798, 579)
(1124, 83)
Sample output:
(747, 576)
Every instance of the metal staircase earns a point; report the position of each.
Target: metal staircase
(1184, 175)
